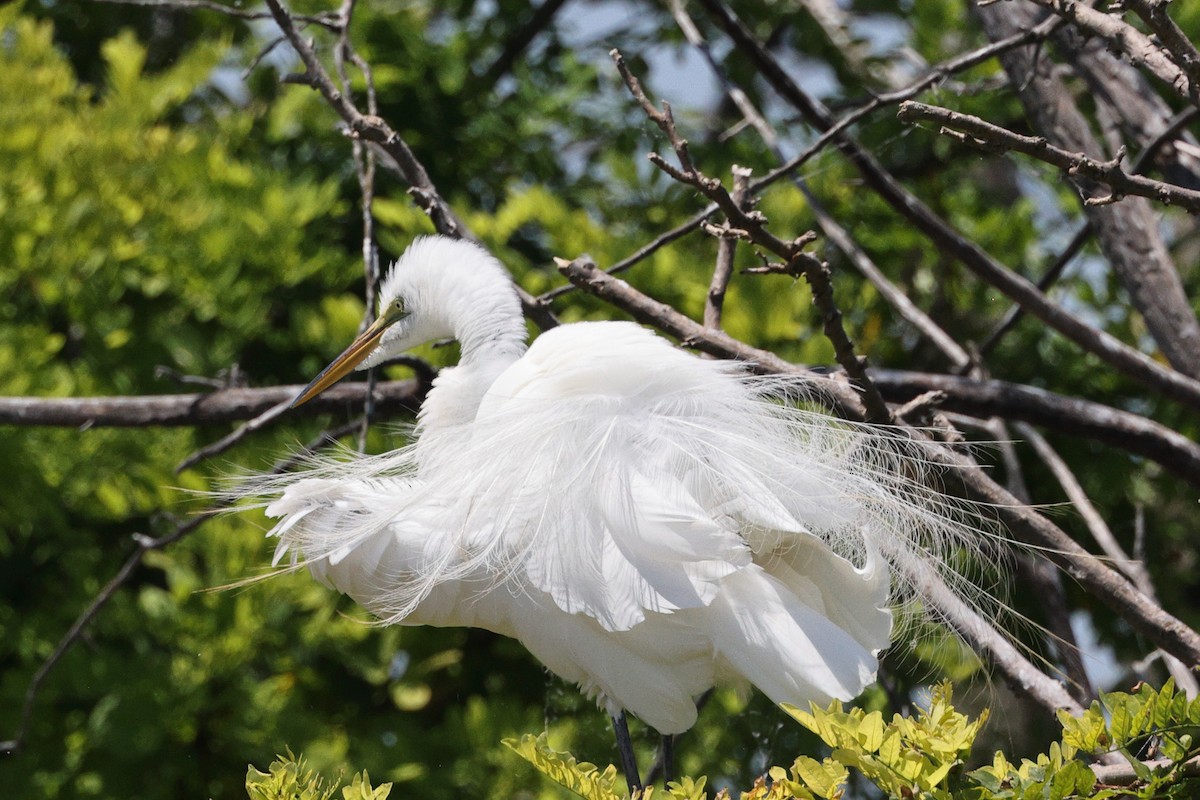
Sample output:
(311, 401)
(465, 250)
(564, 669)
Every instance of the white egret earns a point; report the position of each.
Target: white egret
(647, 523)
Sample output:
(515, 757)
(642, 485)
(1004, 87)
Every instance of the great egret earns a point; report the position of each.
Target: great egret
(647, 523)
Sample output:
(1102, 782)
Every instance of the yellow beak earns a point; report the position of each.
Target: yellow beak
(350, 358)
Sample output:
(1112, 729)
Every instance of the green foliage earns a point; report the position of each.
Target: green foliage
(582, 778)
(923, 756)
(289, 778)
(904, 757)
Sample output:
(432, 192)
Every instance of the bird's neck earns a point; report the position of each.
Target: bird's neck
(490, 329)
(454, 398)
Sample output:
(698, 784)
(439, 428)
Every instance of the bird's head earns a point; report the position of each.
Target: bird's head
(383, 339)
(439, 288)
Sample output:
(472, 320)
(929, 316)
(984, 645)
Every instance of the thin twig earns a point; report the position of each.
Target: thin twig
(1039, 576)
(936, 75)
(752, 225)
(364, 171)
(1048, 279)
(715, 300)
(231, 439)
(836, 234)
(1135, 571)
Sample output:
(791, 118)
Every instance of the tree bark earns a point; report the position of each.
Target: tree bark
(1127, 231)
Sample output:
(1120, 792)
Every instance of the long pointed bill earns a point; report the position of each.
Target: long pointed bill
(344, 364)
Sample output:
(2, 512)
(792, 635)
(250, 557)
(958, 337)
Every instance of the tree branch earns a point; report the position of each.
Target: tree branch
(1170, 37)
(1107, 172)
(224, 405)
(1138, 47)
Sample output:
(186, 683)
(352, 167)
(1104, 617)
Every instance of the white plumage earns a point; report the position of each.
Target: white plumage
(647, 523)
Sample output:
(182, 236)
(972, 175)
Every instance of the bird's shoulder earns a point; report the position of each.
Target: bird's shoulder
(601, 359)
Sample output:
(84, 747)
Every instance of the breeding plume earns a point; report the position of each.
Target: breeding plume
(647, 523)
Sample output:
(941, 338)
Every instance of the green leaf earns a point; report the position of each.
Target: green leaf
(584, 779)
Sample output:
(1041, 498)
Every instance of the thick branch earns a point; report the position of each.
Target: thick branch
(1177, 43)
(225, 405)
(1140, 50)
(1070, 415)
(1129, 233)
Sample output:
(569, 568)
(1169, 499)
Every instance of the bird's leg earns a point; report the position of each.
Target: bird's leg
(625, 751)
(664, 763)
(668, 757)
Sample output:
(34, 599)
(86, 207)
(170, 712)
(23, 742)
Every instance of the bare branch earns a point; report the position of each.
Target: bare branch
(752, 225)
(1048, 279)
(1101, 533)
(1070, 415)
(643, 252)
(241, 432)
(1129, 234)
(935, 76)
(584, 273)
(715, 300)
(1133, 569)
(1174, 40)
(983, 636)
(225, 405)
(838, 235)
(1107, 172)
(1125, 774)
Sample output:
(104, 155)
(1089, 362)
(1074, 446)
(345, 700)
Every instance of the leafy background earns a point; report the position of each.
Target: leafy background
(157, 210)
